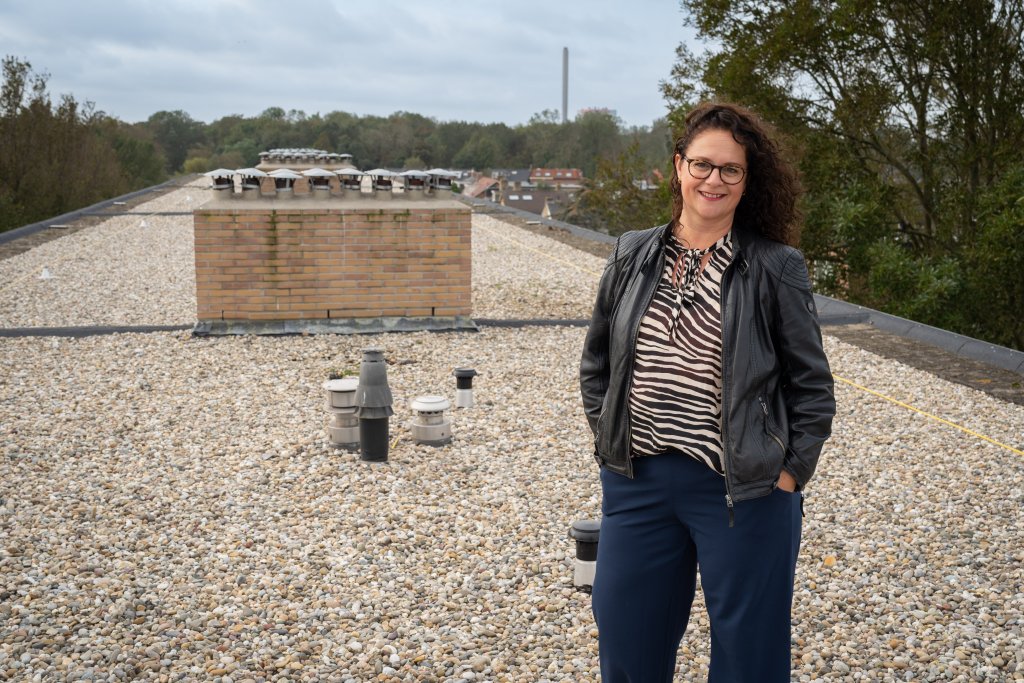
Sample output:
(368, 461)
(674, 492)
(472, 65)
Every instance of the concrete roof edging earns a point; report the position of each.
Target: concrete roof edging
(835, 312)
(33, 228)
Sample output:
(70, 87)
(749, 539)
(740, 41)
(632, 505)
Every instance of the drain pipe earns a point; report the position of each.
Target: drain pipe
(586, 532)
(464, 387)
(374, 400)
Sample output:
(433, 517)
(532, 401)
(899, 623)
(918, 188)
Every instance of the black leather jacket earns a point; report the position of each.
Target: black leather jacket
(777, 389)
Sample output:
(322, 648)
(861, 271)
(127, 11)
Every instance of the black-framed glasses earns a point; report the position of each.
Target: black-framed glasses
(731, 174)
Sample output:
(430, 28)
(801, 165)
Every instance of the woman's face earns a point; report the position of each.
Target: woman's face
(710, 202)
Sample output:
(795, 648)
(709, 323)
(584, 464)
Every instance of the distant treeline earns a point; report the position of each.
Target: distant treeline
(59, 156)
(406, 140)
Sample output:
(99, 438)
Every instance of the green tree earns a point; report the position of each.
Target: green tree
(141, 163)
(596, 135)
(994, 265)
(542, 139)
(175, 132)
(930, 113)
(414, 163)
(904, 113)
(481, 151)
(55, 157)
(448, 138)
(616, 199)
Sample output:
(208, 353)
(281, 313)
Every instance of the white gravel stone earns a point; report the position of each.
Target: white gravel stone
(517, 274)
(171, 509)
(114, 273)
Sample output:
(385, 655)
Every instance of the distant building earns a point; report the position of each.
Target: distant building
(517, 179)
(557, 177)
(547, 192)
(547, 202)
(483, 187)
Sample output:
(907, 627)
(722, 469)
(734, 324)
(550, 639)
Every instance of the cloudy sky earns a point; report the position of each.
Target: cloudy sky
(449, 59)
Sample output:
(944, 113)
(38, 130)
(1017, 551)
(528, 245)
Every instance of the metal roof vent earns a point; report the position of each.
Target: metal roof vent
(587, 534)
(320, 182)
(383, 182)
(441, 182)
(373, 396)
(464, 387)
(429, 426)
(415, 183)
(284, 182)
(223, 180)
(251, 182)
(351, 182)
(343, 429)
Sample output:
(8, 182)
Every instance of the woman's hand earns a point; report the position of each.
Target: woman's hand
(787, 482)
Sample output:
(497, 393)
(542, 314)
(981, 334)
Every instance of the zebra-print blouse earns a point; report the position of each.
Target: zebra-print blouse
(676, 399)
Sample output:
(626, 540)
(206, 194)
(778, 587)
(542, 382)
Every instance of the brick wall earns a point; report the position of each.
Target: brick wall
(285, 260)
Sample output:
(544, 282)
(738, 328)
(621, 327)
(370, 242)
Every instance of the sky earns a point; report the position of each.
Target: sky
(453, 60)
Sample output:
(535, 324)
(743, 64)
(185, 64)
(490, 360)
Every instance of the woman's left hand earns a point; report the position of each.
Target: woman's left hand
(787, 482)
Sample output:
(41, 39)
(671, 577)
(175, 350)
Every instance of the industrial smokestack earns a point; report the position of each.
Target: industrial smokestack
(565, 85)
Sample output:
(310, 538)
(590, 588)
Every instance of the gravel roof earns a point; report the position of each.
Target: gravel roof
(170, 508)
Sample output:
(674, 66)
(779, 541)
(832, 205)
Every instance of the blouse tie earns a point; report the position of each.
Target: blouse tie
(686, 270)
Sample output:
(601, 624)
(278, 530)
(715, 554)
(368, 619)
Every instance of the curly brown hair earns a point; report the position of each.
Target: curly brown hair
(769, 204)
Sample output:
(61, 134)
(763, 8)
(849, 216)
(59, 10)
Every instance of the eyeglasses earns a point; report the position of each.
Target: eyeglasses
(730, 174)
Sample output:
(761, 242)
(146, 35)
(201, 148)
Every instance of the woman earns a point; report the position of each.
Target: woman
(708, 391)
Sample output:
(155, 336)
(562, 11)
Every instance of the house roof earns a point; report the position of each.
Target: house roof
(556, 174)
(479, 186)
(515, 175)
(534, 199)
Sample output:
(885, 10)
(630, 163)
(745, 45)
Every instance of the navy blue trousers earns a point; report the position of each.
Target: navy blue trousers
(656, 530)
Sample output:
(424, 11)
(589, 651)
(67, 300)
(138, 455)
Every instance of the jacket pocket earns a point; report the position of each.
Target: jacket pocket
(775, 446)
(602, 431)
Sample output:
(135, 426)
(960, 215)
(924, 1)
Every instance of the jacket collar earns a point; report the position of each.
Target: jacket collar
(743, 237)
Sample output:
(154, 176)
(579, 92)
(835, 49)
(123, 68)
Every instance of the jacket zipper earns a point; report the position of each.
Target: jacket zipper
(726, 281)
(764, 407)
(632, 354)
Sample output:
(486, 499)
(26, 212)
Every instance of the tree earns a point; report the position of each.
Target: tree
(58, 157)
(927, 94)
(594, 135)
(480, 151)
(141, 163)
(447, 139)
(616, 200)
(415, 163)
(175, 132)
(994, 264)
(904, 113)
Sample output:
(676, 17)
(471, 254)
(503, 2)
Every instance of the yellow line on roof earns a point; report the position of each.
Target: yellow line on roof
(841, 379)
(929, 415)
